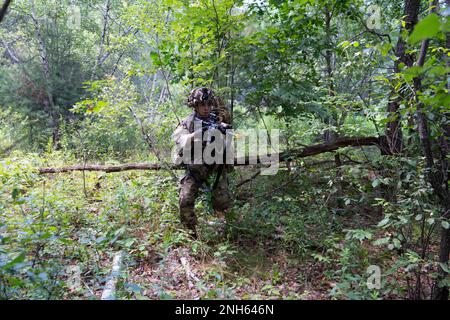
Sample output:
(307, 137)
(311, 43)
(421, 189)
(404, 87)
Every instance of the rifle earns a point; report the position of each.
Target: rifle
(212, 123)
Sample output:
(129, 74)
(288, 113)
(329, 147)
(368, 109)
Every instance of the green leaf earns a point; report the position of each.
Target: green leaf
(381, 241)
(428, 27)
(19, 259)
(445, 224)
(344, 44)
(45, 235)
(383, 222)
(133, 287)
(444, 267)
(43, 276)
(165, 296)
(414, 71)
(376, 183)
(15, 193)
(155, 58)
(359, 234)
(99, 106)
(129, 242)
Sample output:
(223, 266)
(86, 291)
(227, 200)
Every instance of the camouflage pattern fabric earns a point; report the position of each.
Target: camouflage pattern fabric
(188, 192)
(198, 174)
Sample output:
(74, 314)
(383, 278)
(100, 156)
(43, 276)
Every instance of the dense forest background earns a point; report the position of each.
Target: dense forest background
(106, 81)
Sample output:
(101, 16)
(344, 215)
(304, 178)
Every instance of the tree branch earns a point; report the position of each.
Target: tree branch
(283, 156)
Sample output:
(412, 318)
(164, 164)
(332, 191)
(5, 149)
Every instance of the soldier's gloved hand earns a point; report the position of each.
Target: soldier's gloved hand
(223, 127)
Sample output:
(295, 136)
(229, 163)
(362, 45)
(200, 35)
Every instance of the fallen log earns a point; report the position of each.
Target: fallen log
(283, 156)
(109, 168)
(109, 292)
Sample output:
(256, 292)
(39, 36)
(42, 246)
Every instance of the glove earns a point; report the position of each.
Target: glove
(223, 127)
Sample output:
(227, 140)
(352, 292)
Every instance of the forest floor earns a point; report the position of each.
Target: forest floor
(228, 265)
(247, 272)
(287, 237)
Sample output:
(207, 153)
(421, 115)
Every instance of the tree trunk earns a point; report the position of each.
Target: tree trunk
(444, 143)
(99, 60)
(394, 132)
(330, 134)
(437, 175)
(4, 9)
(49, 105)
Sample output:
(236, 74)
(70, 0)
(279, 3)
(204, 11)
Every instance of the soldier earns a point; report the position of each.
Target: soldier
(190, 131)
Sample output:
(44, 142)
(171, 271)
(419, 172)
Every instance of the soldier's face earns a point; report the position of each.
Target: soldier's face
(203, 110)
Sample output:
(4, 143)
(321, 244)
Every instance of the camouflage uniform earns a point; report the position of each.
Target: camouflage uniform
(198, 174)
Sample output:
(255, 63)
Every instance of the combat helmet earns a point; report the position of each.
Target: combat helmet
(201, 95)
(206, 95)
